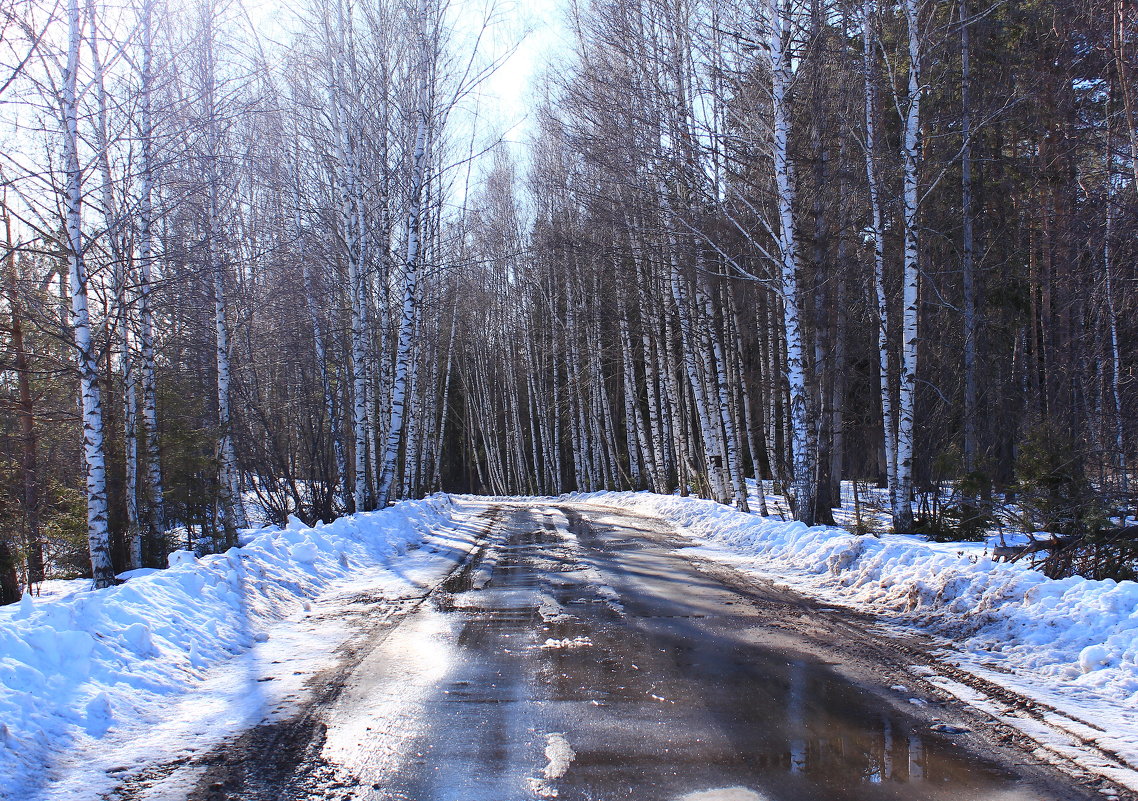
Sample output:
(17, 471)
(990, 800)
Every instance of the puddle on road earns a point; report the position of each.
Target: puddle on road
(671, 702)
(686, 701)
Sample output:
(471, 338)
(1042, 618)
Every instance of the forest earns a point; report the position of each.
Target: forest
(260, 265)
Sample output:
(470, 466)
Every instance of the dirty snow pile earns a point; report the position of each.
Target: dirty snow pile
(70, 667)
(1073, 632)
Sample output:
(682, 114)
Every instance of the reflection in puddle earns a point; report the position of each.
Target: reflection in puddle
(794, 717)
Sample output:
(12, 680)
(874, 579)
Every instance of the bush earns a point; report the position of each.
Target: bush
(955, 522)
(1052, 486)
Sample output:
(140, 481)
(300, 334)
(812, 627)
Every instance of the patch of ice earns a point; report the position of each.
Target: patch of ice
(550, 610)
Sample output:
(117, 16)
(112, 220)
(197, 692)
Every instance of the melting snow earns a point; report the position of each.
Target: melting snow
(559, 754)
(725, 794)
(576, 642)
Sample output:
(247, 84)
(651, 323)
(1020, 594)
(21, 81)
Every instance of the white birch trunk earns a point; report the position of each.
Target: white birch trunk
(95, 464)
(407, 315)
(803, 460)
(911, 157)
(651, 376)
(411, 454)
(558, 467)
(1115, 350)
(340, 463)
(710, 434)
(444, 405)
(231, 508)
(878, 235)
(636, 436)
(155, 490)
(729, 436)
(582, 464)
(673, 420)
(748, 413)
(117, 242)
(351, 217)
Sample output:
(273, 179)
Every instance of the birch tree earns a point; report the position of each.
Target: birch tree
(151, 448)
(876, 236)
(95, 462)
(911, 160)
(803, 441)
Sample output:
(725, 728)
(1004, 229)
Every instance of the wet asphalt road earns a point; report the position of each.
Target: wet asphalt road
(578, 655)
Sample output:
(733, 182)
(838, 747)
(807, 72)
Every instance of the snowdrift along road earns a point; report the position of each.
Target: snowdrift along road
(73, 668)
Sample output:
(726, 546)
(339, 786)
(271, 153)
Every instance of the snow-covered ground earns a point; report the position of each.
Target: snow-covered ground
(1071, 644)
(187, 655)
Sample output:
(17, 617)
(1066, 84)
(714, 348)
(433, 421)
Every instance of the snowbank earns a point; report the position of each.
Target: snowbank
(1075, 632)
(71, 666)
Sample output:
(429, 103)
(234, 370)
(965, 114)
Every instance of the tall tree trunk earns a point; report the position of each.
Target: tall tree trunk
(155, 490)
(407, 315)
(967, 266)
(29, 467)
(231, 508)
(1112, 327)
(911, 159)
(95, 463)
(803, 459)
(351, 219)
(118, 244)
(888, 415)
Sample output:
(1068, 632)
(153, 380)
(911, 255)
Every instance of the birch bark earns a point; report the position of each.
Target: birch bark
(803, 460)
(119, 247)
(95, 463)
(155, 490)
(877, 236)
(229, 495)
(407, 315)
(911, 158)
(351, 222)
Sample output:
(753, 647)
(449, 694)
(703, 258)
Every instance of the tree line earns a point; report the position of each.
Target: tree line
(814, 241)
(806, 241)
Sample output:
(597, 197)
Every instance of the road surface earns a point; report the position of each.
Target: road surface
(578, 653)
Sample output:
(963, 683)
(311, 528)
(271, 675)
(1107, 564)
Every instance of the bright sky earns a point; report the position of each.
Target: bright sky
(536, 29)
